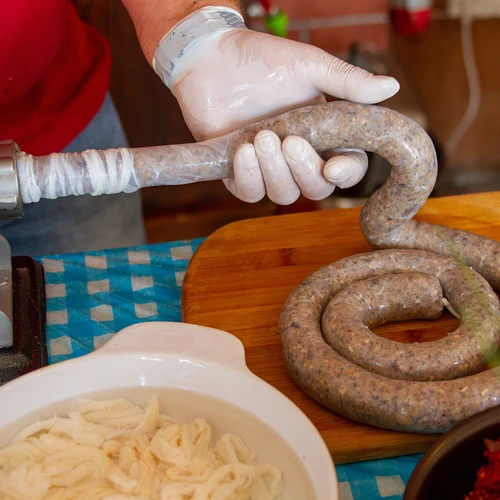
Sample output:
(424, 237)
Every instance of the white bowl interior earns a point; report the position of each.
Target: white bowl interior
(222, 417)
(196, 372)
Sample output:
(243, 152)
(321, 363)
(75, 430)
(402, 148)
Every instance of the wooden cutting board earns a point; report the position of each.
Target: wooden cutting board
(241, 275)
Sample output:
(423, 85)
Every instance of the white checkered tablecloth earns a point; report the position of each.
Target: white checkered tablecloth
(91, 296)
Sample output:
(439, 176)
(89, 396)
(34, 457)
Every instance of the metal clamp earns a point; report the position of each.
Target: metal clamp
(11, 202)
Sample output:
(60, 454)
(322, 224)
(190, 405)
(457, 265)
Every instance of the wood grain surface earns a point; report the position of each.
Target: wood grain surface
(241, 275)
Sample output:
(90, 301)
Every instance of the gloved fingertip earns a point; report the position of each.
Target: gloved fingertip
(336, 170)
(295, 148)
(246, 152)
(284, 199)
(266, 141)
(347, 170)
(368, 88)
(387, 86)
(252, 197)
(321, 194)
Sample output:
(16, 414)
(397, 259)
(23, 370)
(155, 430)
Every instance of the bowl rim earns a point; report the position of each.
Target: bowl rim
(158, 350)
(461, 431)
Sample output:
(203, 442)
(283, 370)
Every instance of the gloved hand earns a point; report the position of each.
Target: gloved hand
(238, 76)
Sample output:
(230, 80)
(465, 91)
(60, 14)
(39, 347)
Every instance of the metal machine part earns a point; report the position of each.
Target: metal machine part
(11, 203)
(23, 344)
(15, 356)
(29, 348)
(6, 330)
(11, 207)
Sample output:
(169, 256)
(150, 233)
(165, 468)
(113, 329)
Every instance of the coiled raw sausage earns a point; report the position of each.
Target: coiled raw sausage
(423, 387)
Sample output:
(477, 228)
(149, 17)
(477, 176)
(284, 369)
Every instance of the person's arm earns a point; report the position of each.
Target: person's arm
(153, 18)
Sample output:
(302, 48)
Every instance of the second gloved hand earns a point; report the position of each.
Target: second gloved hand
(238, 76)
(285, 170)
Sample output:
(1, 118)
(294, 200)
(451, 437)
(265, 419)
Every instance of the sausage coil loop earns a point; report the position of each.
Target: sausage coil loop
(328, 348)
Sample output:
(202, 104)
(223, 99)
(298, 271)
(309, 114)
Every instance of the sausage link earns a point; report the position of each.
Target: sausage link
(364, 396)
(399, 297)
(338, 124)
(420, 388)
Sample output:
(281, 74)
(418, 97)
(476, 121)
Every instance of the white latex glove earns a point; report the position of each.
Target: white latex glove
(285, 170)
(240, 76)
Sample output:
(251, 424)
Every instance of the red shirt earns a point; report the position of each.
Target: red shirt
(54, 74)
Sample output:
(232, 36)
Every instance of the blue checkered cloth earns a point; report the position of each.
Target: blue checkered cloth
(91, 296)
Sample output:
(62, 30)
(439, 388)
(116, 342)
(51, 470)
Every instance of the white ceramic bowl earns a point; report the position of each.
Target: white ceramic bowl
(197, 372)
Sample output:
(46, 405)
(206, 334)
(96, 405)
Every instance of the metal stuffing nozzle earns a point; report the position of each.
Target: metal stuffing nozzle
(11, 202)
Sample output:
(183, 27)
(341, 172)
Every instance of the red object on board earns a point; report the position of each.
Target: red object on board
(411, 17)
(487, 485)
(54, 74)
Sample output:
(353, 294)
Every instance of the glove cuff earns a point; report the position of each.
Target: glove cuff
(189, 33)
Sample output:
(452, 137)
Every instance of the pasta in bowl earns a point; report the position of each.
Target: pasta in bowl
(165, 411)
